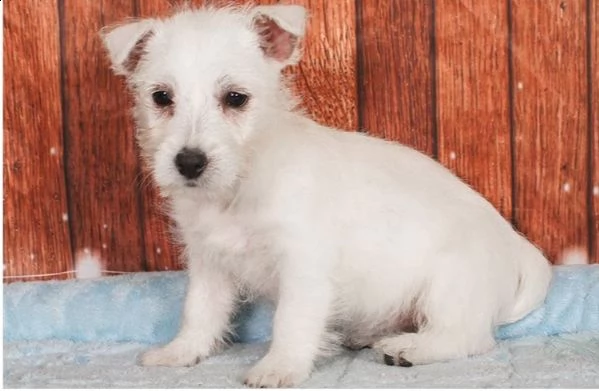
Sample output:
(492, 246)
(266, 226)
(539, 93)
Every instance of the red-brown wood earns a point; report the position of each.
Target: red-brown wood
(550, 117)
(396, 73)
(438, 93)
(102, 166)
(594, 131)
(36, 228)
(473, 97)
(325, 78)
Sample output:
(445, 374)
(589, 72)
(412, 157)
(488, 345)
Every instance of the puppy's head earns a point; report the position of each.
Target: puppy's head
(204, 80)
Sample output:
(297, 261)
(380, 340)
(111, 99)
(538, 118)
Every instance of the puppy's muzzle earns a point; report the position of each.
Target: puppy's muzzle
(191, 163)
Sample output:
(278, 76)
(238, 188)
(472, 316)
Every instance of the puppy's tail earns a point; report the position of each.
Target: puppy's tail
(534, 277)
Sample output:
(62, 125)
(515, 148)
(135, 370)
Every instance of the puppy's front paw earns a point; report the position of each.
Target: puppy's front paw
(175, 354)
(276, 373)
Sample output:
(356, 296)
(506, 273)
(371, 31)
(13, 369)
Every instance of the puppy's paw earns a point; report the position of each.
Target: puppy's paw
(398, 350)
(410, 349)
(273, 373)
(175, 354)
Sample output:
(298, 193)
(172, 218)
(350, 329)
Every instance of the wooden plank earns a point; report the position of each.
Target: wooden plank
(594, 130)
(395, 75)
(102, 166)
(472, 96)
(36, 229)
(160, 8)
(550, 123)
(325, 78)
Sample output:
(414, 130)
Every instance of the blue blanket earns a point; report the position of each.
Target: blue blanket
(146, 308)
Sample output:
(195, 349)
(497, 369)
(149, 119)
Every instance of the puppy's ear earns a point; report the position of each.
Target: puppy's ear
(280, 28)
(125, 44)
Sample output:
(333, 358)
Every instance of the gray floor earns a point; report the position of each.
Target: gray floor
(567, 361)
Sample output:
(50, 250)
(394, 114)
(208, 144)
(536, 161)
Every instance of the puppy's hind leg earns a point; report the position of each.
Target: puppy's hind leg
(458, 323)
(432, 345)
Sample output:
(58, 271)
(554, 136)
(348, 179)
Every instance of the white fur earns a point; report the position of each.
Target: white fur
(345, 232)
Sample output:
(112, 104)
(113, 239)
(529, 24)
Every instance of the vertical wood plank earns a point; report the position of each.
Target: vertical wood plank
(161, 8)
(550, 119)
(472, 96)
(36, 230)
(396, 72)
(102, 166)
(594, 129)
(325, 78)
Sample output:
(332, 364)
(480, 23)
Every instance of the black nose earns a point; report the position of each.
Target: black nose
(191, 162)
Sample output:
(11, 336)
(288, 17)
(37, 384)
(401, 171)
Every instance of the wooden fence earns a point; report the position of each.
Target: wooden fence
(505, 93)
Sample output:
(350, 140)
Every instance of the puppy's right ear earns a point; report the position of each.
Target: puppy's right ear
(125, 43)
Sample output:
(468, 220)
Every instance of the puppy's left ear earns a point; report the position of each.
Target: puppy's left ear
(125, 44)
(280, 28)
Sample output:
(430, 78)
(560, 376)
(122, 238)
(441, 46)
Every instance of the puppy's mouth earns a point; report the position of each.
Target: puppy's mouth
(191, 184)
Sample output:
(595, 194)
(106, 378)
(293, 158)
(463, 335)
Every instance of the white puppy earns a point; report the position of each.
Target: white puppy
(358, 240)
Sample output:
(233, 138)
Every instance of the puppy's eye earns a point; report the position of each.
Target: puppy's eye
(235, 99)
(162, 98)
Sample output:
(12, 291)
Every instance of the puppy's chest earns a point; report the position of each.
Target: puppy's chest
(247, 252)
(255, 268)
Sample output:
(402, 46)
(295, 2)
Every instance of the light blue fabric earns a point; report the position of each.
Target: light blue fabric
(572, 305)
(137, 307)
(146, 308)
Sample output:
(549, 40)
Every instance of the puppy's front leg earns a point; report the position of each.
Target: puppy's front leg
(208, 306)
(299, 324)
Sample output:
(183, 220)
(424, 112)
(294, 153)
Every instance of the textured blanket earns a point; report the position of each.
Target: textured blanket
(146, 307)
(569, 361)
(88, 333)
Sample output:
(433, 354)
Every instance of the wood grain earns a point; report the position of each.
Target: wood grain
(161, 8)
(550, 118)
(102, 166)
(325, 78)
(594, 130)
(472, 96)
(369, 64)
(396, 74)
(36, 229)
